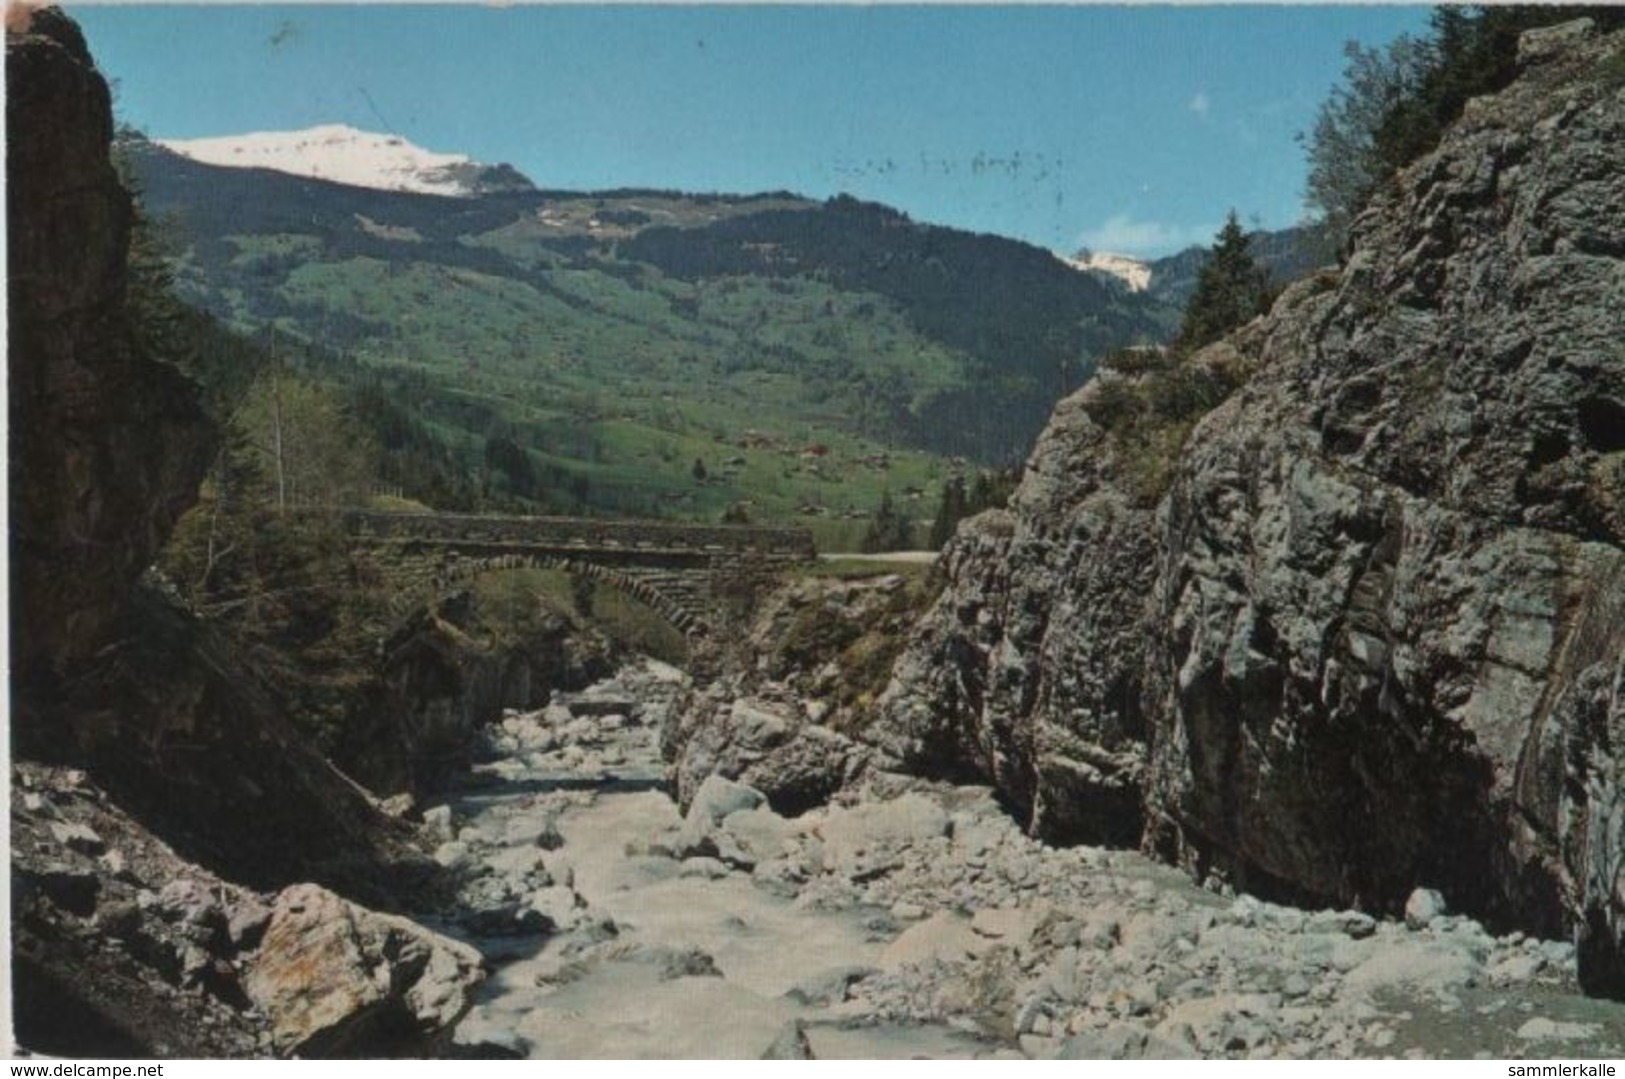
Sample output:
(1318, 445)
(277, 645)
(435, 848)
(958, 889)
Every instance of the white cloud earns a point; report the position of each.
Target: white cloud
(1123, 235)
(1200, 103)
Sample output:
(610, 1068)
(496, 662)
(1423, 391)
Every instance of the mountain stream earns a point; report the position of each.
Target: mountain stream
(915, 920)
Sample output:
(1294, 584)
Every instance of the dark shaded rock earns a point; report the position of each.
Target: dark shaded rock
(115, 934)
(599, 704)
(791, 1044)
(548, 837)
(447, 672)
(199, 746)
(687, 963)
(482, 1051)
(107, 445)
(73, 888)
(1591, 720)
(512, 919)
(134, 961)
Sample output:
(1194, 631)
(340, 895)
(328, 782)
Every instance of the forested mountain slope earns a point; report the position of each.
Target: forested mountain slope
(646, 352)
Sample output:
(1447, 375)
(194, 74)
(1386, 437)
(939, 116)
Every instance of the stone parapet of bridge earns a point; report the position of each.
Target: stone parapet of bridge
(691, 574)
(582, 532)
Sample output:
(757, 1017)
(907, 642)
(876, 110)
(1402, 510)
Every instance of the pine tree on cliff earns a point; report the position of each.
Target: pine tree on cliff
(954, 508)
(1231, 290)
(888, 530)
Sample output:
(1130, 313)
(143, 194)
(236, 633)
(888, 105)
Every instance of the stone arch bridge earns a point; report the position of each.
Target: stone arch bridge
(688, 573)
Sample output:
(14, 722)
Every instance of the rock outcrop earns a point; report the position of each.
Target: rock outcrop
(175, 961)
(797, 684)
(146, 749)
(450, 670)
(1034, 686)
(1373, 637)
(102, 911)
(200, 746)
(107, 445)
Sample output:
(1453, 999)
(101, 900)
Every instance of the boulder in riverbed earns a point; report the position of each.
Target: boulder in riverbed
(336, 979)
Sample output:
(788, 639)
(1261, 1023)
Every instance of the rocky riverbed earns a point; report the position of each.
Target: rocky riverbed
(911, 919)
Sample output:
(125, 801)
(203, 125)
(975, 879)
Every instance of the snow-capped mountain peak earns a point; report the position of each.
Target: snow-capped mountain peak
(348, 155)
(1131, 271)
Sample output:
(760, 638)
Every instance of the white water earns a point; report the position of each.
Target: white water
(969, 941)
(575, 996)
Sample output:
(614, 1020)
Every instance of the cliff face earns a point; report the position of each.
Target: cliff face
(184, 754)
(107, 446)
(1030, 684)
(1391, 589)
(796, 679)
(1373, 637)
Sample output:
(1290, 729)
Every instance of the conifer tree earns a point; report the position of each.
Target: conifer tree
(954, 508)
(888, 530)
(1395, 102)
(1231, 290)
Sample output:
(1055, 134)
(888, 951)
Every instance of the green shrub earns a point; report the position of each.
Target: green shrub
(1133, 362)
(1115, 404)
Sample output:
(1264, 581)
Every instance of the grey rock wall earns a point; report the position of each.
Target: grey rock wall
(1372, 637)
(1028, 670)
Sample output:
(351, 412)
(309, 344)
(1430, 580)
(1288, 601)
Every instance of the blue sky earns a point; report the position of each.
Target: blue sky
(1127, 129)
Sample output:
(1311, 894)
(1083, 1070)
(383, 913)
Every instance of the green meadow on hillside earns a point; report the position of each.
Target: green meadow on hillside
(649, 353)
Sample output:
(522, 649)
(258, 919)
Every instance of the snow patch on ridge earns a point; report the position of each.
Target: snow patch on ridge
(1131, 271)
(344, 155)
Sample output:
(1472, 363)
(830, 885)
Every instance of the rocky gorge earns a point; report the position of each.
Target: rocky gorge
(912, 917)
(1366, 636)
(1310, 752)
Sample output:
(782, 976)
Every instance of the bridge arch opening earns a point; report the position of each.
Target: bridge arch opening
(630, 612)
(688, 576)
